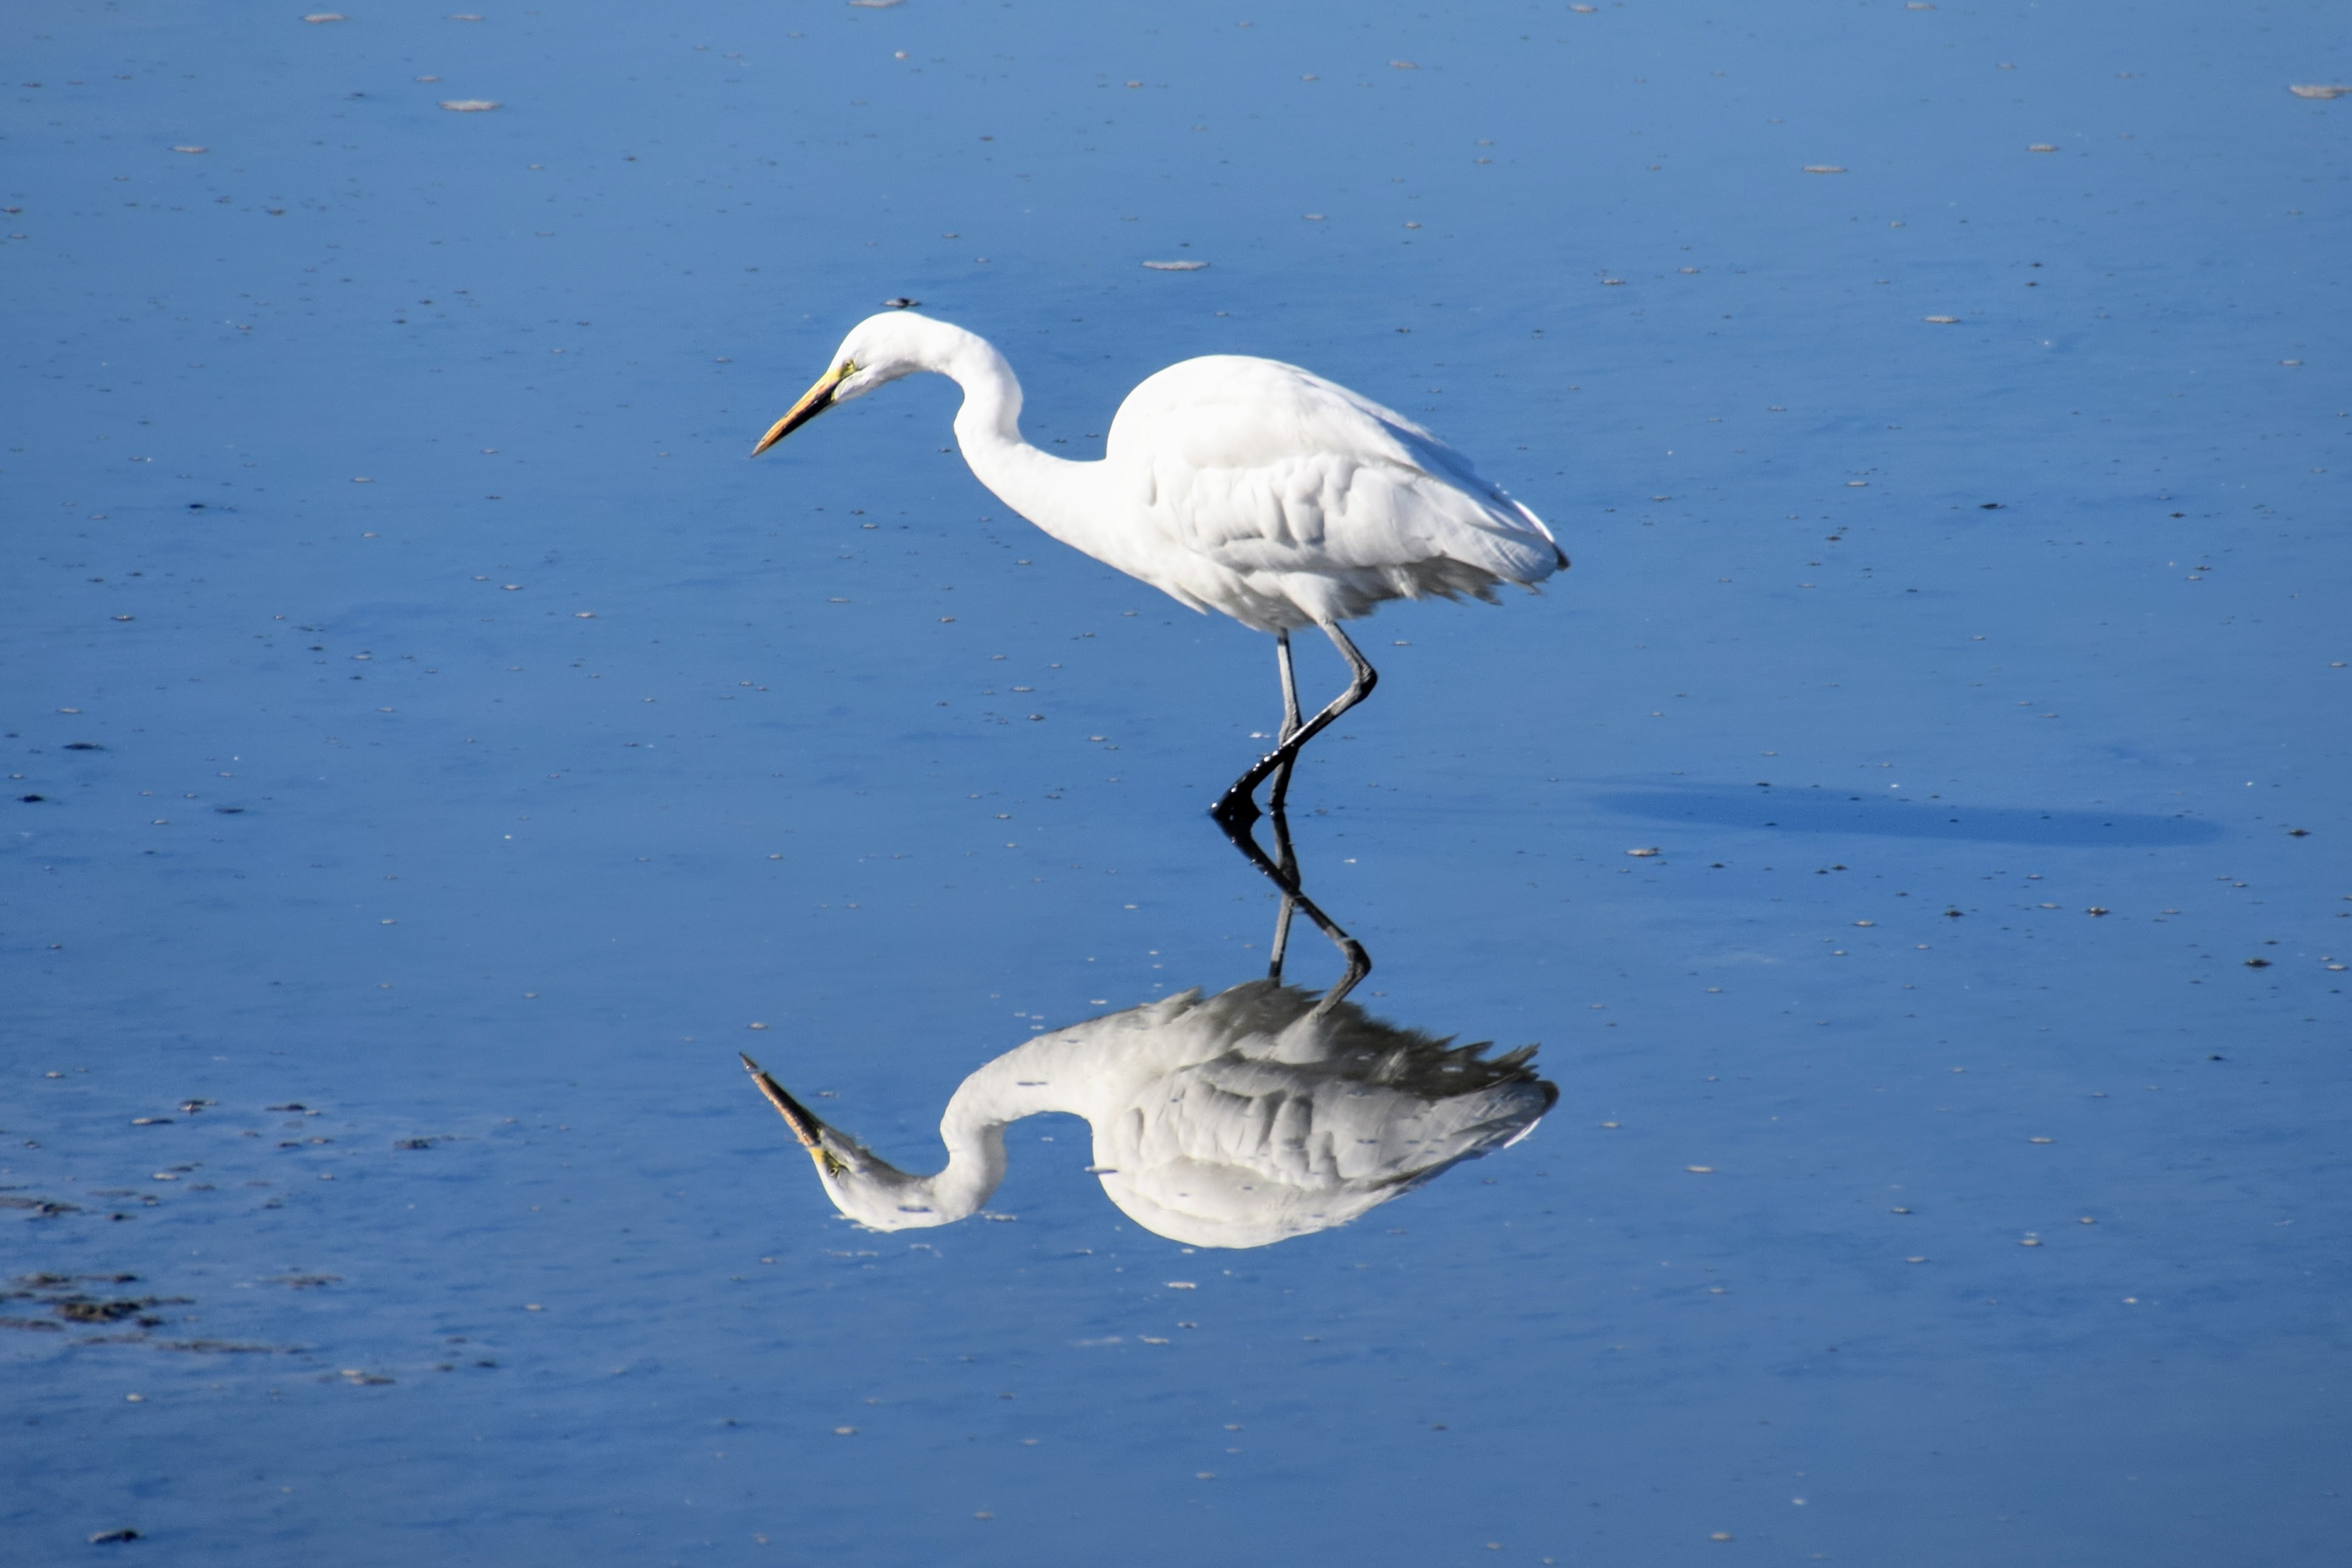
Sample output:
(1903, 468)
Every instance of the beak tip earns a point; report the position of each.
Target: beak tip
(813, 401)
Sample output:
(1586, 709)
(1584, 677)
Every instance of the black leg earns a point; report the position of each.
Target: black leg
(1280, 792)
(1284, 874)
(1280, 946)
(1236, 805)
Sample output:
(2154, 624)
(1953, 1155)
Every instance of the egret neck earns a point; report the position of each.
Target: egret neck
(1064, 497)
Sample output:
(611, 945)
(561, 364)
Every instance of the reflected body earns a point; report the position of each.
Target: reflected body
(1238, 1120)
(1229, 483)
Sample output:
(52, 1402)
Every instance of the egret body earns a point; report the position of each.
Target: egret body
(1229, 483)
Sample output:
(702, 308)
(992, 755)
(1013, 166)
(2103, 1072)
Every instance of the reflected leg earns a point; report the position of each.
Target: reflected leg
(1285, 866)
(1285, 875)
(1280, 946)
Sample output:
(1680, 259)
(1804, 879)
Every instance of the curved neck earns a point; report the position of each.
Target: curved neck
(1022, 1082)
(1055, 493)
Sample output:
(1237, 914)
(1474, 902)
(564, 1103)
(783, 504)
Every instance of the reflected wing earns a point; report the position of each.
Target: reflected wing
(1316, 1130)
(1245, 1153)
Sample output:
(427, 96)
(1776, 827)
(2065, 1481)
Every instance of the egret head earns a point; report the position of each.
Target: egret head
(863, 1185)
(879, 349)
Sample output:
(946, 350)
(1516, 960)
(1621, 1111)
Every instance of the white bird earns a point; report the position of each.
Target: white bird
(1229, 483)
(1247, 1118)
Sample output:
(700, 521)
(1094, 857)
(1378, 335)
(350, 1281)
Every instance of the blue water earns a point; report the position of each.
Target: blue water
(437, 725)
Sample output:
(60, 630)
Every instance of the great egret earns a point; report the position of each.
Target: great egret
(1236, 1120)
(1228, 483)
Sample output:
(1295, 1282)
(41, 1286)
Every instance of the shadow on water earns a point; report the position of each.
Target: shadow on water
(1818, 810)
(1252, 1117)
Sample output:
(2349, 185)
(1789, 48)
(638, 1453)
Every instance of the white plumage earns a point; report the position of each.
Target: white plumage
(1286, 500)
(1234, 484)
(1236, 1120)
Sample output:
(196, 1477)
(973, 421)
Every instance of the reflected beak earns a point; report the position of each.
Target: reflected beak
(805, 1127)
(813, 401)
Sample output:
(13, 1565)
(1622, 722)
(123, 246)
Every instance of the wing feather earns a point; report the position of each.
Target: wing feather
(1270, 472)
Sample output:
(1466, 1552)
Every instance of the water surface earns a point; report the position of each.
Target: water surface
(436, 753)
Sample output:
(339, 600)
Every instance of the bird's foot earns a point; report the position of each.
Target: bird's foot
(1235, 811)
(1237, 807)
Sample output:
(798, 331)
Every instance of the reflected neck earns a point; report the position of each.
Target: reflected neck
(1022, 1082)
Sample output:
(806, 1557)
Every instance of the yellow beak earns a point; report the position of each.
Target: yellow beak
(796, 1116)
(813, 401)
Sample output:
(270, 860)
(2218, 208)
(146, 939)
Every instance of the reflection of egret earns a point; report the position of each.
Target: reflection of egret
(1227, 1121)
(1229, 483)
